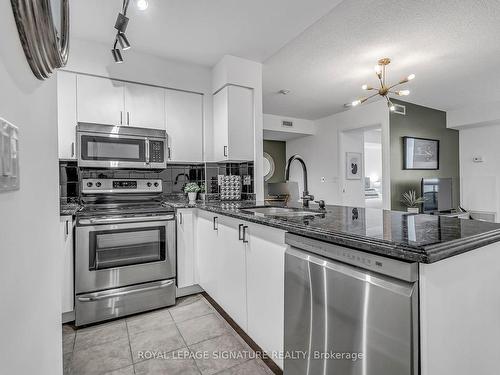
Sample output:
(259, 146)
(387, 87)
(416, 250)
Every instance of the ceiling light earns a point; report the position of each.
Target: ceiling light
(384, 89)
(122, 39)
(284, 92)
(142, 4)
(121, 22)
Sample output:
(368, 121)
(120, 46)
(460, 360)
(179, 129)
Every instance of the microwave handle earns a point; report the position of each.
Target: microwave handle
(147, 151)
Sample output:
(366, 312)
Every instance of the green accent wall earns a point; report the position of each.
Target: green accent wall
(422, 122)
(277, 150)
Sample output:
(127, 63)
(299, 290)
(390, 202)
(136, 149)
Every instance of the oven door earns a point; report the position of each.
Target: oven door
(111, 252)
(112, 151)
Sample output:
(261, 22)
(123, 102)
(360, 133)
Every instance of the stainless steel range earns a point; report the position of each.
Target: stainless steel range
(125, 249)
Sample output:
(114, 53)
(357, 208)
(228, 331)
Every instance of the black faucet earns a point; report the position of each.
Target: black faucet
(306, 197)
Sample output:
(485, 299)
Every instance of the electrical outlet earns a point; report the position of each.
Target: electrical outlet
(477, 159)
(323, 179)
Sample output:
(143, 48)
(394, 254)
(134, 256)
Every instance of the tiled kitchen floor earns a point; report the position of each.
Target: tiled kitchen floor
(189, 338)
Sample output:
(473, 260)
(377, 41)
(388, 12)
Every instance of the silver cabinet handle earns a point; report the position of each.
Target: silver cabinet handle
(121, 117)
(128, 118)
(216, 223)
(225, 150)
(240, 237)
(72, 149)
(169, 154)
(180, 218)
(97, 296)
(67, 229)
(245, 234)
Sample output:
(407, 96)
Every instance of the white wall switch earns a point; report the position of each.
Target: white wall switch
(9, 156)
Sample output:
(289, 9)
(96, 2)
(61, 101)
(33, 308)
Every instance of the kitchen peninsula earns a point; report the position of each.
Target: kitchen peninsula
(240, 251)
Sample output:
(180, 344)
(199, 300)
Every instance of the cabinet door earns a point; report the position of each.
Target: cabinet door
(66, 114)
(185, 248)
(144, 106)
(100, 100)
(207, 243)
(265, 257)
(221, 125)
(184, 126)
(67, 288)
(232, 270)
(241, 123)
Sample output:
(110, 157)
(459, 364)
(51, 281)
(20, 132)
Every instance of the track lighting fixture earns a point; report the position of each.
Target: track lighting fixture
(121, 39)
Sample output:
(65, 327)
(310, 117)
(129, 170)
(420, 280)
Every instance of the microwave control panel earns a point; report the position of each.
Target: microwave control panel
(156, 152)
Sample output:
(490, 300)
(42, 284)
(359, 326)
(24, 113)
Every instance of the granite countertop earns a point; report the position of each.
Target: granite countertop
(68, 207)
(420, 238)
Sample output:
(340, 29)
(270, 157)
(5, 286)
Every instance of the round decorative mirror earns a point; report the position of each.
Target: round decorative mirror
(268, 166)
(43, 27)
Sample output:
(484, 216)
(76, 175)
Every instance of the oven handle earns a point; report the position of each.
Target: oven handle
(97, 297)
(126, 219)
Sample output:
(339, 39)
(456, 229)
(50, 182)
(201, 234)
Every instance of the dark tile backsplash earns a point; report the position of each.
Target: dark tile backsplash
(174, 177)
(69, 188)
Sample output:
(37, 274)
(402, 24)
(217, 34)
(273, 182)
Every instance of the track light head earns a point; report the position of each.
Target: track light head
(122, 39)
(117, 55)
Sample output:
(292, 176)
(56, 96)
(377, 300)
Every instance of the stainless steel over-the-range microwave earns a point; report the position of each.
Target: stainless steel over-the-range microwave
(107, 146)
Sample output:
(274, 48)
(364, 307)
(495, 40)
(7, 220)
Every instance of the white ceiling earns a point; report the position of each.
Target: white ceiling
(201, 31)
(452, 47)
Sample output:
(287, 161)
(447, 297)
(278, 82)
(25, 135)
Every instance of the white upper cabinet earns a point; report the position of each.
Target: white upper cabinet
(66, 114)
(100, 100)
(234, 124)
(144, 106)
(184, 113)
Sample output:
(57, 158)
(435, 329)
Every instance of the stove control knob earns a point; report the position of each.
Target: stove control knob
(89, 184)
(149, 184)
(98, 184)
(156, 184)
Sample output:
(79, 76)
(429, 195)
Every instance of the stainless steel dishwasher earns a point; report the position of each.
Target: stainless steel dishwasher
(348, 312)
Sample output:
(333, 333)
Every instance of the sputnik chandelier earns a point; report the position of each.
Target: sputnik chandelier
(385, 89)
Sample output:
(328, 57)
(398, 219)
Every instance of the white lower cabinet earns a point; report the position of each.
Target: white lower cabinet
(185, 248)
(265, 272)
(232, 270)
(241, 265)
(208, 251)
(67, 255)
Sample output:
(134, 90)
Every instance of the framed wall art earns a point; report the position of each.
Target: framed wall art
(353, 165)
(420, 153)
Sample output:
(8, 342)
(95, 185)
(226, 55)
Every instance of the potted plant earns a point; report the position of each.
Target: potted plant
(192, 190)
(412, 203)
(203, 192)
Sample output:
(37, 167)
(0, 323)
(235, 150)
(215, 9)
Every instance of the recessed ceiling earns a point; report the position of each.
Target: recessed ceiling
(451, 46)
(201, 31)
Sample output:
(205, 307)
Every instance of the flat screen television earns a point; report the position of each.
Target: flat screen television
(437, 193)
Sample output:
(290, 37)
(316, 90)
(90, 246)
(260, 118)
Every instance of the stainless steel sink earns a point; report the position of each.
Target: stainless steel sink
(281, 211)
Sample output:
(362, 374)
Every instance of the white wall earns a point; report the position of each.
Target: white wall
(95, 58)
(480, 182)
(324, 154)
(476, 115)
(30, 291)
(242, 72)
